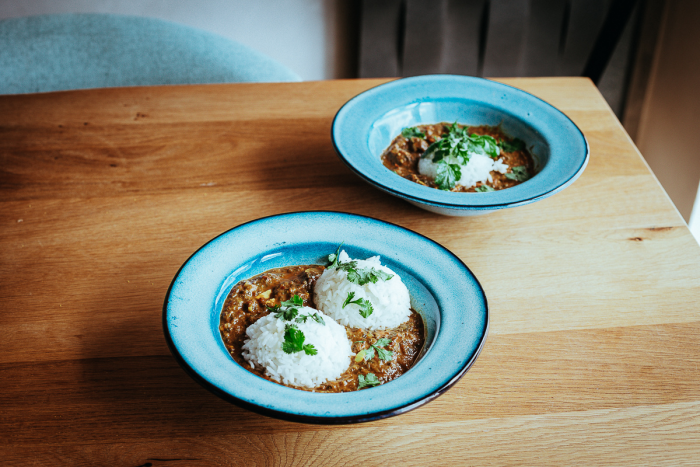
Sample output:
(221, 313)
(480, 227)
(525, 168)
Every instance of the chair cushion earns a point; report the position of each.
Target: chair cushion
(78, 51)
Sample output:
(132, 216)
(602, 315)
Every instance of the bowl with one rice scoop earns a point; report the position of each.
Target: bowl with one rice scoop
(400, 272)
(459, 173)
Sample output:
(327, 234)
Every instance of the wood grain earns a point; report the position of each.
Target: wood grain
(592, 357)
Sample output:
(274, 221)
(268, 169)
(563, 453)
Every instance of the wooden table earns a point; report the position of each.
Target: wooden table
(593, 355)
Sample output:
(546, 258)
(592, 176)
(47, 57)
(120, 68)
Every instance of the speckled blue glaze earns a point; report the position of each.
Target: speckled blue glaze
(367, 124)
(442, 289)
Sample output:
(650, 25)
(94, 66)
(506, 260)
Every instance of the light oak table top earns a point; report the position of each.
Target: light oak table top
(593, 356)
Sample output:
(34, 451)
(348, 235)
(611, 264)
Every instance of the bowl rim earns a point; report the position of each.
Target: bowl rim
(466, 203)
(311, 419)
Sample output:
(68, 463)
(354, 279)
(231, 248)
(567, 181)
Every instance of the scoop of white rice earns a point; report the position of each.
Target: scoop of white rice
(264, 348)
(390, 299)
(478, 169)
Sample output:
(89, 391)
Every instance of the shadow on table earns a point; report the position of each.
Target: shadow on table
(148, 394)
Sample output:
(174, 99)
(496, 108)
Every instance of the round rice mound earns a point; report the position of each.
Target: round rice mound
(390, 299)
(478, 169)
(263, 347)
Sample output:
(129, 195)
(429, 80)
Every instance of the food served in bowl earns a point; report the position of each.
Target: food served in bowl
(454, 314)
(455, 157)
(339, 328)
(368, 123)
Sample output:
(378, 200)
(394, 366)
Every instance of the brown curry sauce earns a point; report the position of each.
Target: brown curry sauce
(403, 154)
(248, 301)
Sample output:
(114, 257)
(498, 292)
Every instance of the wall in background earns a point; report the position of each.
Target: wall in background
(669, 128)
(310, 37)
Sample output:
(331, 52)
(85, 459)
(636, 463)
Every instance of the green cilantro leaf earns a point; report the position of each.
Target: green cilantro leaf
(362, 276)
(385, 355)
(447, 175)
(296, 300)
(367, 382)
(287, 314)
(512, 146)
(317, 317)
(519, 174)
(412, 132)
(289, 309)
(484, 189)
(378, 274)
(294, 341)
(364, 304)
(335, 257)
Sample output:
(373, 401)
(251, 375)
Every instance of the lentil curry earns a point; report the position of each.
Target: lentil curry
(249, 300)
(404, 152)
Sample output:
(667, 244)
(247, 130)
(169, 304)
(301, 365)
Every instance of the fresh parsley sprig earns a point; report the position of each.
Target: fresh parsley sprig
(289, 311)
(368, 354)
(454, 149)
(359, 276)
(484, 189)
(412, 132)
(447, 175)
(334, 258)
(368, 381)
(519, 174)
(294, 341)
(365, 305)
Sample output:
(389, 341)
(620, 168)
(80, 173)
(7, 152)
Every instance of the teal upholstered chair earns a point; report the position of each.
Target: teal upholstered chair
(78, 51)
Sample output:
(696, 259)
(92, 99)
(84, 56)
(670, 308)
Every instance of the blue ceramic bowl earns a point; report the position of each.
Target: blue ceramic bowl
(443, 290)
(365, 126)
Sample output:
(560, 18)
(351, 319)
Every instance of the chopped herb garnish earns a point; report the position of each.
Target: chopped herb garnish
(484, 189)
(317, 317)
(368, 354)
(368, 381)
(362, 276)
(301, 318)
(296, 300)
(519, 174)
(294, 341)
(364, 304)
(412, 132)
(289, 311)
(334, 258)
(512, 146)
(359, 276)
(454, 150)
(286, 314)
(447, 175)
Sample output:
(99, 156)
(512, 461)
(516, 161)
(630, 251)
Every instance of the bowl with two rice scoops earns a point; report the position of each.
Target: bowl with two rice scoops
(442, 290)
(366, 125)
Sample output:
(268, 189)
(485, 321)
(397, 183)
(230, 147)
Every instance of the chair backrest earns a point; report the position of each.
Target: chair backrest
(489, 37)
(77, 51)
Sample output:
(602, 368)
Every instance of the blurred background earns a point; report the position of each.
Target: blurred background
(644, 55)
